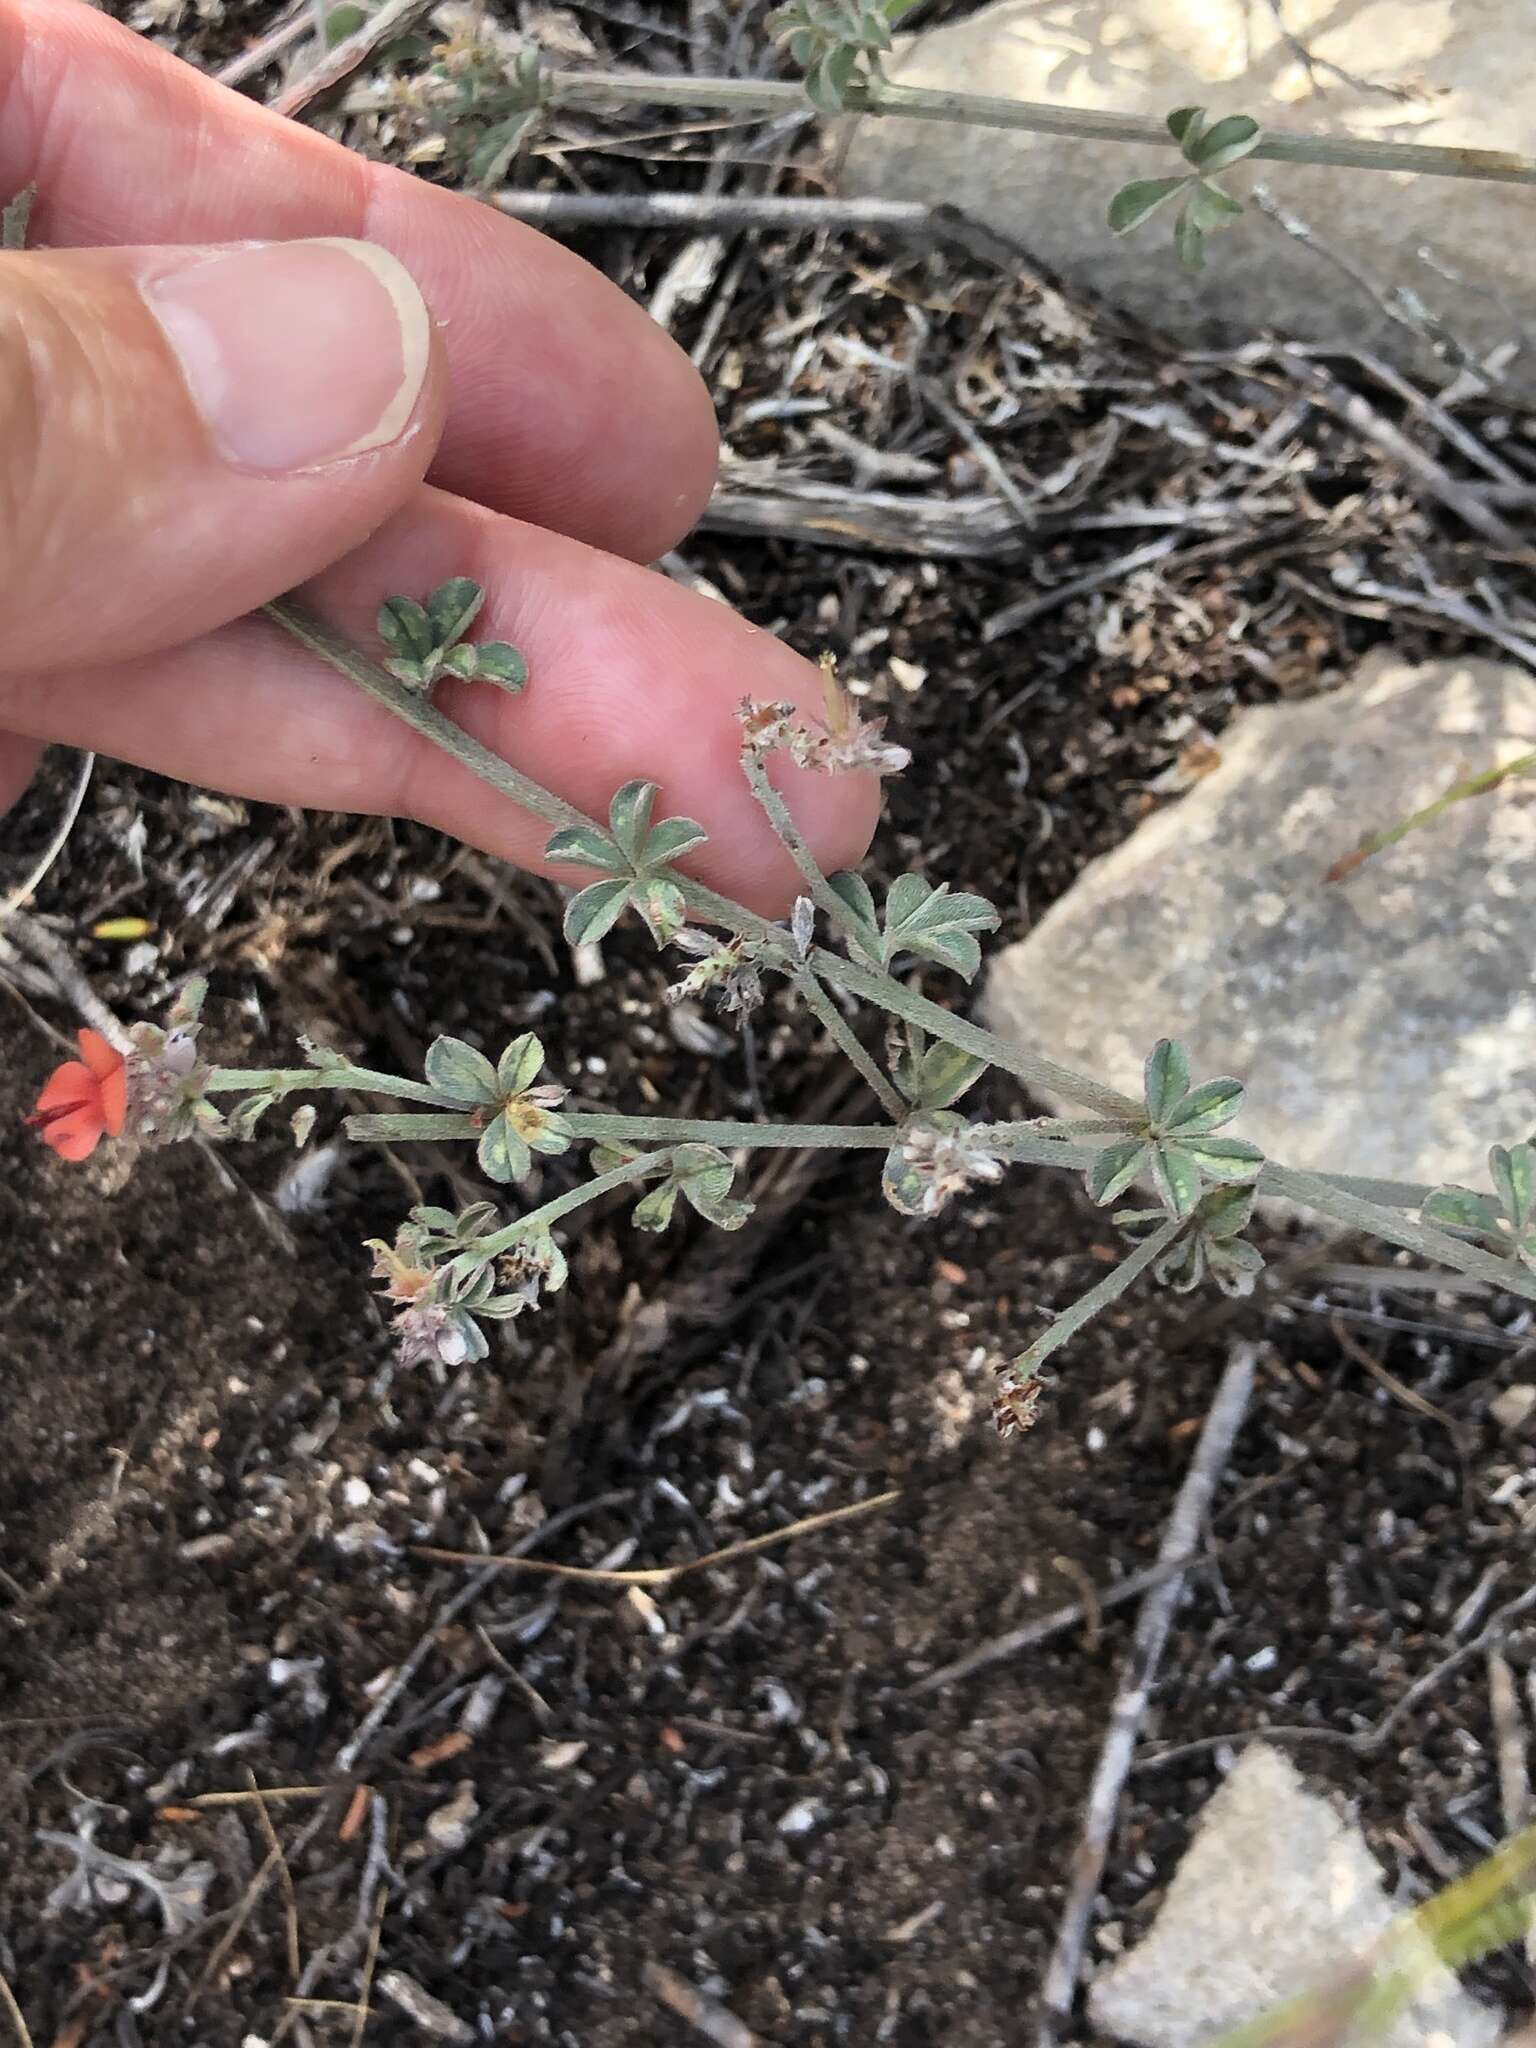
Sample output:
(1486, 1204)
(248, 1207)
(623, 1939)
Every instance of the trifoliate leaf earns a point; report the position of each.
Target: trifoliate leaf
(1235, 1266)
(595, 910)
(456, 1070)
(942, 1074)
(1210, 208)
(457, 661)
(936, 924)
(1225, 1212)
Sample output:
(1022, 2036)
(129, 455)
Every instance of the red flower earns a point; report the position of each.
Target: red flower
(85, 1100)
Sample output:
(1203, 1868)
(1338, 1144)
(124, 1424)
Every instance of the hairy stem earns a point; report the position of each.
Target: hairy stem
(296, 1080)
(984, 110)
(841, 1032)
(574, 1198)
(843, 916)
(1439, 1246)
(1109, 1289)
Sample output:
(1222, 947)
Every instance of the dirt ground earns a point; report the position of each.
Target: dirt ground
(211, 1476)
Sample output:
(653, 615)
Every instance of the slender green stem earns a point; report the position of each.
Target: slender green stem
(1109, 1289)
(1315, 1192)
(841, 1032)
(843, 916)
(1458, 793)
(296, 1080)
(574, 1198)
(643, 1130)
(771, 97)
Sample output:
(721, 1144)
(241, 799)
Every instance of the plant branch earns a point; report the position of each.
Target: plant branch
(574, 1198)
(842, 1034)
(983, 110)
(843, 916)
(1109, 1290)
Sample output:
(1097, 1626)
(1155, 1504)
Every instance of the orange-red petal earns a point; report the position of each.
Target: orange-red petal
(70, 1084)
(111, 1072)
(76, 1134)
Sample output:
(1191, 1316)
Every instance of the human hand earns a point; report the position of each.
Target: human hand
(228, 370)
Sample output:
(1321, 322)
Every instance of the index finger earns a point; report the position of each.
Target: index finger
(570, 408)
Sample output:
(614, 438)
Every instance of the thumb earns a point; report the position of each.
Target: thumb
(186, 432)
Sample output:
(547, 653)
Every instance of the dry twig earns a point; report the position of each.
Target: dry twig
(1222, 1423)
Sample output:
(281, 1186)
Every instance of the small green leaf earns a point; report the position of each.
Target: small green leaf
(1456, 1208)
(1139, 200)
(1165, 1078)
(827, 83)
(456, 1070)
(586, 845)
(594, 911)
(943, 1074)
(1206, 1108)
(518, 1068)
(670, 840)
(457, 661)
(855, 892)
(1189, 241)
(1235, 1265)
(242, 1120)
(1116, 1167)
(1513, 1172)
(1224, 142)
(405, 628)
(654, 1210)
(552, 1134)
(1176, 1178)
(416, 674)
(492, 155)
(661, 904)
(1210, 208)
(629, 818)
(1185, 124)
(502, 1153)
(342, 22)
(936, 924)
(1182, 1266)
(903, 1186)
(1225, 1212)
(1228, 1159)
(452, 609)
(705, 1176)
(498, 662)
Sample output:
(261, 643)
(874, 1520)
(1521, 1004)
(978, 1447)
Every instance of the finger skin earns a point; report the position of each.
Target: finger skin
(120, 520)
(18, 764)
(570, 407)
(630, 676)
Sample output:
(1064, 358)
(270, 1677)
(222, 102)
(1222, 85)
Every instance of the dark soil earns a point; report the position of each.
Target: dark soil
(211, 1478)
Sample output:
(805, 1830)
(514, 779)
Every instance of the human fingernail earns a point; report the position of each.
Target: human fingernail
(297, 354)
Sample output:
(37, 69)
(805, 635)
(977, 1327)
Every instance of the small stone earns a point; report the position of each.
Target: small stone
(1276, 1894)
(430, 2014)
(1384, 1025)
(1514, 1406)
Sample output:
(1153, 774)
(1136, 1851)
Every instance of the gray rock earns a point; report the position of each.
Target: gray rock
(1385, 1024)
(1453, 60)
(1275, 1895)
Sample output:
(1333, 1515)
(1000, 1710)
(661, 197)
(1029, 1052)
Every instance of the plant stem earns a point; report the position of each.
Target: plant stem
(1109, 1289)
(983, 110)
(295, 1080)
(842, 1034)
(843, 916)
(1316, 1192)
(574, 1198)
(644, 1130)
(1470, 785)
